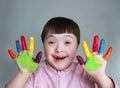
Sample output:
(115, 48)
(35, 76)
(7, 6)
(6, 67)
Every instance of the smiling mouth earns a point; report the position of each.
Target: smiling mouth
(60, 58)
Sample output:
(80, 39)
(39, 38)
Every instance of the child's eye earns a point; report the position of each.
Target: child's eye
(51, 43)
(67, 42)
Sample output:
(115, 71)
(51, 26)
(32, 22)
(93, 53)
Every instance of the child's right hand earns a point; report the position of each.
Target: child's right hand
(25, 61)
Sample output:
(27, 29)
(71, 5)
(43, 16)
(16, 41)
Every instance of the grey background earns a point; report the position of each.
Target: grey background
(27, 17)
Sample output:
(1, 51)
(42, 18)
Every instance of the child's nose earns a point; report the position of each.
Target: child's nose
(59, 48)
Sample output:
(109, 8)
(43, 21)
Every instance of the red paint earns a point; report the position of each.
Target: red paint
(23, 42)
(108, 53)
(12, 55)
(95, 44)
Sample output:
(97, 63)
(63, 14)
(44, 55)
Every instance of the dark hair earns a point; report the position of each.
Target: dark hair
(60, 25)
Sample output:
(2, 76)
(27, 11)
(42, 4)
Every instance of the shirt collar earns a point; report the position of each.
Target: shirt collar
(63, 72)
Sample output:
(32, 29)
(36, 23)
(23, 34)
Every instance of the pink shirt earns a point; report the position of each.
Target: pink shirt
(73, 77)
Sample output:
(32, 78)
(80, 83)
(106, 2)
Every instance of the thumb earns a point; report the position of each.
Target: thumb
(38, 57)
(80, 60)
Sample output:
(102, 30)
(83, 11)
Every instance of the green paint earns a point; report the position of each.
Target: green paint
(25, 60)
(93, 63)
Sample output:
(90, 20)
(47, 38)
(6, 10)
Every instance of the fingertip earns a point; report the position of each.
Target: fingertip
(101, 47)
(86, 49)
(31, 37)
(12, 55)
(96, 36)
(23, 42)
(84, 43)
(31, 44)
(95, 44)
(80, 60)
(38, 57)
(102, 41)
(39, 54)
(110, 49)
(19, 50)
(108, 53)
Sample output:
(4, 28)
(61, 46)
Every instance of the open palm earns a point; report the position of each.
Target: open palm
(24, 59)
(96, 61)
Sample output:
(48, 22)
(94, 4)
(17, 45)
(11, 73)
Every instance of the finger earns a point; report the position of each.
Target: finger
(108, 53)
(101, 47)
(95, 44)
(31, 44)
(80, 60)
(19, 50)
(86, 49)
(23, 42)
(12, 55)
(38, 57)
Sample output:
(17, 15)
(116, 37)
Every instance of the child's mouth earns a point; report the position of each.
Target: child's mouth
(59, 58)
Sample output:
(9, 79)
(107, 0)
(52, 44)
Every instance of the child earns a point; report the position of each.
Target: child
(61, 38)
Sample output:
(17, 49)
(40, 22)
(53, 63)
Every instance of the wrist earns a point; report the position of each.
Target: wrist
(103, 81)
(24, 74)
(18, 80)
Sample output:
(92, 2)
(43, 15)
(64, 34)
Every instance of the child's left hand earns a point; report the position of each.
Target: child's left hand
(96, 61)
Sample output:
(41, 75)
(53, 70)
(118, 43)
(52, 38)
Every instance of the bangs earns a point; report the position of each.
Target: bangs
(60, 28)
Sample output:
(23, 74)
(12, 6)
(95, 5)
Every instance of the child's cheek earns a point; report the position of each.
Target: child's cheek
(46, 55)
(72, 54)
(48, 52)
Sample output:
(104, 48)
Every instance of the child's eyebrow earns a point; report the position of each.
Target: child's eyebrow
(69, 36)
(49, 36)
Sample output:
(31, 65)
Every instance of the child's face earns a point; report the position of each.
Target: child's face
(60, 49)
